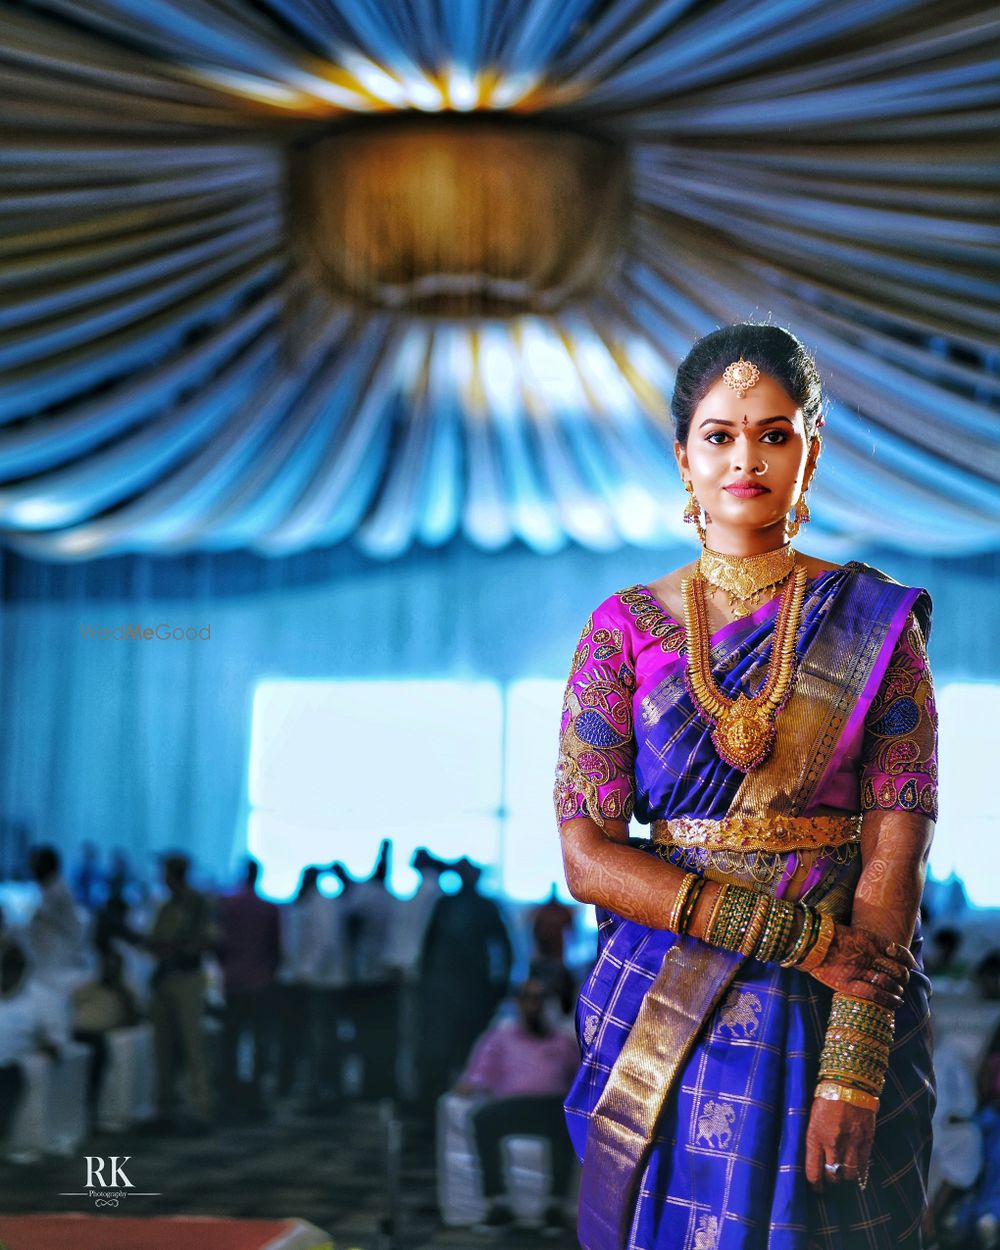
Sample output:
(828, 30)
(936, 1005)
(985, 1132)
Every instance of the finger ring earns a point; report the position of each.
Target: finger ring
(891, 950)
(873, 977)
(833, 1169)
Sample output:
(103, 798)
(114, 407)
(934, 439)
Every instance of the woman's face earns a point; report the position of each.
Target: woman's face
(748, 459)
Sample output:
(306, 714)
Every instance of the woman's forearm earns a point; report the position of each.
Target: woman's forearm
(601, 869)
(894, 850)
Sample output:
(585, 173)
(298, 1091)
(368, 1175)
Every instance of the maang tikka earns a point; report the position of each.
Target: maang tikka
(740, 376)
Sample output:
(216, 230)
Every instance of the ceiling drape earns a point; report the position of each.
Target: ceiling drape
(172, 379)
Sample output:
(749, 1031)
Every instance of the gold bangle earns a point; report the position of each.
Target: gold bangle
(755, 928)
(691, 903)
(845, 1093)
(807, 936)
(878, 1022)
(815, 956)
(683, 890)
(715, 911)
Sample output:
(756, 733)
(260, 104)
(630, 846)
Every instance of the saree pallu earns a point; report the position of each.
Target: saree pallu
(692, 1102)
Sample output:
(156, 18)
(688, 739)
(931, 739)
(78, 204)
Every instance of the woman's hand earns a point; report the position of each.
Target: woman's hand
(839, 1132)
(862, 964)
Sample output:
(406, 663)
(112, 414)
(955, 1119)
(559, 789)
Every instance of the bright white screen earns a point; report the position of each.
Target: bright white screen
(531, 858)
(967, 837)
(335, 766)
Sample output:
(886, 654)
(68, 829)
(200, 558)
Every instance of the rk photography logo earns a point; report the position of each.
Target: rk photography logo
(107, 1182)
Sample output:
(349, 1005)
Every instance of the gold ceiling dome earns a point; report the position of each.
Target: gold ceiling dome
(459, 215)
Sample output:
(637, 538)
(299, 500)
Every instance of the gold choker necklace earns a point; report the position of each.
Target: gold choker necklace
(743, 730)
(745, 578)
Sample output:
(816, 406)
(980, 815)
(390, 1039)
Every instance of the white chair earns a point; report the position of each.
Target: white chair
(127, 1092)
(52, 1117)
(460, 1190)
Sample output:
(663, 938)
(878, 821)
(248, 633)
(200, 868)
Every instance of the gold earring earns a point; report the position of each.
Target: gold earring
(692, 512)
(800, 517)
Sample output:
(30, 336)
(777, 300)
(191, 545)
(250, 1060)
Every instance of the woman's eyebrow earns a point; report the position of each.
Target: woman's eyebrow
(763, 421)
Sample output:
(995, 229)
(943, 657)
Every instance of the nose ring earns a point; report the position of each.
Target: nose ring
(762, 470)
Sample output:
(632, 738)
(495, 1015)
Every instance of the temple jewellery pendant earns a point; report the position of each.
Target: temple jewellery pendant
(743, 729)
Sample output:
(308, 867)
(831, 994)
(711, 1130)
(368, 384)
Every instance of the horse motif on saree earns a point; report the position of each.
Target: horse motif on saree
(696, 1046)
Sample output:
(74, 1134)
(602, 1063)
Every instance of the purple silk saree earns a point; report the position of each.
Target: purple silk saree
(691, 1104)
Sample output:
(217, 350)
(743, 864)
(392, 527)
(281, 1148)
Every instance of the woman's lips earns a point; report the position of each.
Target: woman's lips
(747, 492)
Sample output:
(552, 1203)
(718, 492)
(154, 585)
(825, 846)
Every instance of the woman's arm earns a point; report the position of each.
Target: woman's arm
(894, 850)
(639, 887)
(602, 871)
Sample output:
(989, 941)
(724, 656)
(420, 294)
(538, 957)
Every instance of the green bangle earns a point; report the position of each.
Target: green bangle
(807, 935)
(776, 937)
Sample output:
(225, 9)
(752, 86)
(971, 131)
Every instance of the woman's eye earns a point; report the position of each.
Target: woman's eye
(779, 436)
(716, 437)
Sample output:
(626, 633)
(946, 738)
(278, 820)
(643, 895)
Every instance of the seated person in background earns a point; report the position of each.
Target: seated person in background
(30, 1020)
(974, 1221)
(986, 976)
(526, 1069)
(97, 1008)
(943, 960)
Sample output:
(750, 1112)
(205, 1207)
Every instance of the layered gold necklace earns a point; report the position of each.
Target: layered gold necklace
(743, 729)
(745, 578)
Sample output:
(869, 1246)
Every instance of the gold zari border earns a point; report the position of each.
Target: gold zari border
(773, 832)
(687, 989)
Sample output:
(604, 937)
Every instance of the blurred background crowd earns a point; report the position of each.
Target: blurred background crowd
(348, 994)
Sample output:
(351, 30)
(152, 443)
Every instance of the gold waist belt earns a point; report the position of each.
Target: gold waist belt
(759, 833)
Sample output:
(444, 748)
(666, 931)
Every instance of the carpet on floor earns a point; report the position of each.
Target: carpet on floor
(103, 1232)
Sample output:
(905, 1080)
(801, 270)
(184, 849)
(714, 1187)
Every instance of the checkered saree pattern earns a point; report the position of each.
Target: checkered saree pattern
(724, 1169)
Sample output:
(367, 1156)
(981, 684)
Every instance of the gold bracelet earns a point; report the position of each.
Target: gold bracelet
(694, 894)
(755, 928)
(676, 911)
(845, 1093)
(877, 1022)
(715, 911)
(807, 936)
(827, 932)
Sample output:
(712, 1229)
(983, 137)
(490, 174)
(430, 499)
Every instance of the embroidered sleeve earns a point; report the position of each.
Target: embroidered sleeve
(899, 762)
(594, 771)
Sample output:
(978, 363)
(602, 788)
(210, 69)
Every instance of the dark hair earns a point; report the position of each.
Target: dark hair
(45, 862)
(774, 351)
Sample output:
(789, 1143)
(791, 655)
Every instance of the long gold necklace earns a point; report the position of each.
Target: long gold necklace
(745, 578)
(743, 729)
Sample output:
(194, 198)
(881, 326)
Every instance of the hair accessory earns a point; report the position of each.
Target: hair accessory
(801, 516)
(692, 512)
(740, 376)
(743, 729)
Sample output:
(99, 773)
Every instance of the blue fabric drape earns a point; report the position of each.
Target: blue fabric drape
(831, 163)
(145, 743)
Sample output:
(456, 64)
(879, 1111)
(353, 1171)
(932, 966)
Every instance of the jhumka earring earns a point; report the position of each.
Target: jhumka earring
(692, 512)
(800, 517)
